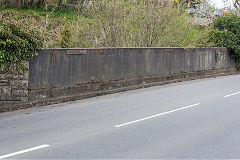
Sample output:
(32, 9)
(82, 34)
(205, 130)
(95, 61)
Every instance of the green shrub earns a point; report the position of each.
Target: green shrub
(16, 45)
(121, 23)
(49, 26)
(226, 33)
(66, 35)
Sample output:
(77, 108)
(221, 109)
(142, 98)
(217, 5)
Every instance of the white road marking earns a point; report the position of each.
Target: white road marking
(157, 115)
(24, 151)
(233, 94)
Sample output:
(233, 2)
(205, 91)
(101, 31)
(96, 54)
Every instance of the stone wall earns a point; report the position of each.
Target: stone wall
(60, 75)
(13, 86)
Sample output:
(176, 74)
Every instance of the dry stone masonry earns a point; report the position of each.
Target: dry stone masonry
(13, 86)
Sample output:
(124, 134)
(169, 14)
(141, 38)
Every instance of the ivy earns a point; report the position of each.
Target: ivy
(17, 45)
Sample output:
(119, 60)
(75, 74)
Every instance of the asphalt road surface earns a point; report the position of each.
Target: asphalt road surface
(195, 119)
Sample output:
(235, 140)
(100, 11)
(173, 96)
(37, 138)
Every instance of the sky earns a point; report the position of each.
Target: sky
(219, 3)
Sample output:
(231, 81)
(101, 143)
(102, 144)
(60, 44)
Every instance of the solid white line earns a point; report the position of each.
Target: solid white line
(157, 115)
(231, 94)
(24, 151)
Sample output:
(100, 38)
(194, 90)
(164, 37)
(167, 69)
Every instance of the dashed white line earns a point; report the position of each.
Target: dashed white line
(157, 115)
(24, 151)
(233, 94)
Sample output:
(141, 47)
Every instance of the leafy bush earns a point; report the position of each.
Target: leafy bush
(110, 23)
(226, 33)
(48, 25)
(120, 23)
(66, 35)
(16, 45)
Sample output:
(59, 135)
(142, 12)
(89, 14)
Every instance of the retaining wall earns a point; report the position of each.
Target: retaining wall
(59, 75)
(13, 86)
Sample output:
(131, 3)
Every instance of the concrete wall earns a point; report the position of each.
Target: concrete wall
(64, 67)
(63, 72)
(59, 75)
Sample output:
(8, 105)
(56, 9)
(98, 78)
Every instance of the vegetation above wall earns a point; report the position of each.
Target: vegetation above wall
(111, 23)
(226, 33)
(116, 23)
(17, 45)
(108, 23)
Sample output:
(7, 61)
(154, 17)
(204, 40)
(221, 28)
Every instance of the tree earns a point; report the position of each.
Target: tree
(226, 33)
(26, 3)
(60, 2)
(190, 3)
(237, 4)
(40, 3)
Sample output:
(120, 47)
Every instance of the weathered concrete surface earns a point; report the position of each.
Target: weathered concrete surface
(65, 73)
(65, 67)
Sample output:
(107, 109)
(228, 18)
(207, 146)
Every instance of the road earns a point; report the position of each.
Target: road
(195, 119)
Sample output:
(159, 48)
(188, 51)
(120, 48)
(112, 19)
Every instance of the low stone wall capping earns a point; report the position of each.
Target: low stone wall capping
(61, 75)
